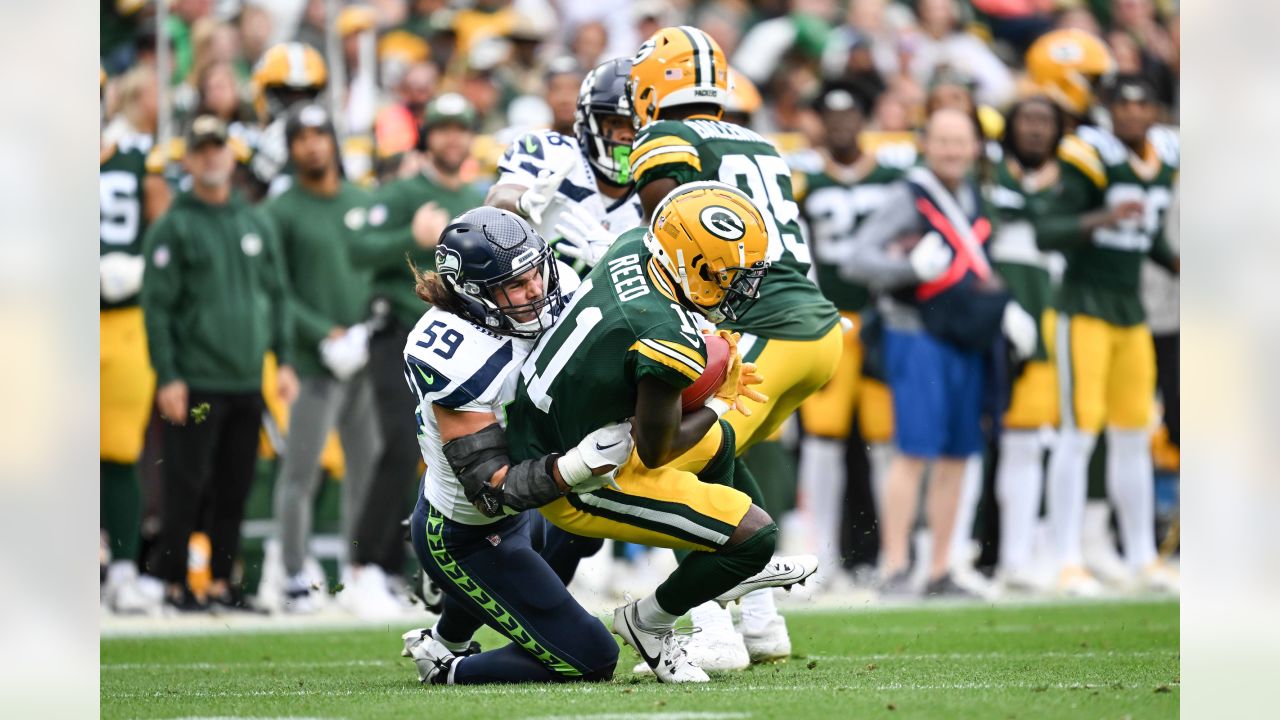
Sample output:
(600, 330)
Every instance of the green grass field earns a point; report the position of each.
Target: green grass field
(1095, 660)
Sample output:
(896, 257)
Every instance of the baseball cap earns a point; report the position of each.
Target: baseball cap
(206, 129)
(450, 107)
(307, 115)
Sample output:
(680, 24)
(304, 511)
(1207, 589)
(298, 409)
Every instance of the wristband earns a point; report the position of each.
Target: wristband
(573, 469)
(718, 406)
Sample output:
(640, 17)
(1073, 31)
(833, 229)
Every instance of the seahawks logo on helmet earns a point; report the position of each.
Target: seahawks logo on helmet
(722, 222)
(448, 262)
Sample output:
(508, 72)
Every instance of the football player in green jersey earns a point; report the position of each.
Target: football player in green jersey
(834, 199)
(128, 199)
(679, 83)
(1106, 360)
(628, 344)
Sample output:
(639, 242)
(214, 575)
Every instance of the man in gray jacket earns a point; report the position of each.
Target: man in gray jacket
(943, 307)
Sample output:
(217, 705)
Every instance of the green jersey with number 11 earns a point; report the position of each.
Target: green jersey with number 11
(790, 306)
(621, 324)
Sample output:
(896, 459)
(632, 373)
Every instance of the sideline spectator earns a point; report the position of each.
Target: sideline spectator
(318, 220)
(944, 309)
(215, 299)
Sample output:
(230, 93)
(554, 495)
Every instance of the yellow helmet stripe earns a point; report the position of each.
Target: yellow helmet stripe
(685, 350)
(297, 65)
(660, 280)
(666, 358)
(687, 158)
(703, 57)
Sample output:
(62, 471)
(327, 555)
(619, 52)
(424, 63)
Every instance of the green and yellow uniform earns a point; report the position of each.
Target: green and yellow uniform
(834, 201)
(390, 238)
(1105, 352)
(127, 382)
(792, 333)
(1019, 198)
(623, 323)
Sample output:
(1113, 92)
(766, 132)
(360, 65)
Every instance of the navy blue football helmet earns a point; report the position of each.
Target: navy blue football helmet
(480, 253)
(604, 92)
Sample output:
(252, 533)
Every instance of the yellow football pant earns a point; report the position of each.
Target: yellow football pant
(829, 412)
(659, 507)
(127, 384)
(1106, 373)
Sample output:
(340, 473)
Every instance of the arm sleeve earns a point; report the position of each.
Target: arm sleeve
(868, 261)
(161, 291)
(282, 299)
(659, 153)
(1058, 223)
(1161, 253)
(310, 326)
(389, 233)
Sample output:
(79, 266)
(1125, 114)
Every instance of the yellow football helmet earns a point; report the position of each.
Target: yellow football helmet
(744, 98)
(710, 240)
(677, 66)
(285, 74)
(1066, 64)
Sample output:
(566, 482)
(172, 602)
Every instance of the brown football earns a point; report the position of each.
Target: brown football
(697, 394)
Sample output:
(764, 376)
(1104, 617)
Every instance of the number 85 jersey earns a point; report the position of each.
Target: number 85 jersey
(790, 306)
(456, 364)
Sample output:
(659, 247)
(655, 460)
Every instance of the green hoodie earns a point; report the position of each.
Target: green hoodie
(389, 240)
(328, 290)
(214, 295)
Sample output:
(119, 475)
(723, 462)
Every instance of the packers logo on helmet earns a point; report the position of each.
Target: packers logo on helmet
(1066, 65)
(710, 241)
(677, 66)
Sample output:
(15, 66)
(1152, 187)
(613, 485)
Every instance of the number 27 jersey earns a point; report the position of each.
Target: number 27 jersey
(622, 324)
(790, 306)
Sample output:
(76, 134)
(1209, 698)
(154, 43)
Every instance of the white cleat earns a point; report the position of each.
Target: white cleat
(781, 572)
(717, 645)
(432, 659)
(661, 651)
(1161, 577)
(413, 639)
(368, 597)
(1020, 582)
(1075, 581)
(769, 643)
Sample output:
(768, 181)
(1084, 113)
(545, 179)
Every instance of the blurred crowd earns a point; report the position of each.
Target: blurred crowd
(268, 165)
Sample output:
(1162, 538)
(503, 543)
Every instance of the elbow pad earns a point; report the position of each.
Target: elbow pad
(474, 459)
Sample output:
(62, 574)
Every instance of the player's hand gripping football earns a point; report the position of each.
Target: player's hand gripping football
(739, 378)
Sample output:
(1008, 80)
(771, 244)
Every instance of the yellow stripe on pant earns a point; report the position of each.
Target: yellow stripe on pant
(127, 384)
(659, 507)
(792, 371)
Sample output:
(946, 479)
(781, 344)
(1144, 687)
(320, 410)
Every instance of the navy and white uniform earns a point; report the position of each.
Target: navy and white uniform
(510, 572)
(551, 151)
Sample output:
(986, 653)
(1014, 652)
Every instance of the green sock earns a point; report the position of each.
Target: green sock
(120, 508)
(774, 467)
(702, 576)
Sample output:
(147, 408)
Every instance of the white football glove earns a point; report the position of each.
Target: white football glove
(534, 201)
(120, 275)
(930, 257)
(584, 238)
(346, 355)
(1020, 328)
(609, 445)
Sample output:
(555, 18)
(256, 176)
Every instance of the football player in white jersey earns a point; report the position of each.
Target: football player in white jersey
(495, 289)
(579, 188)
